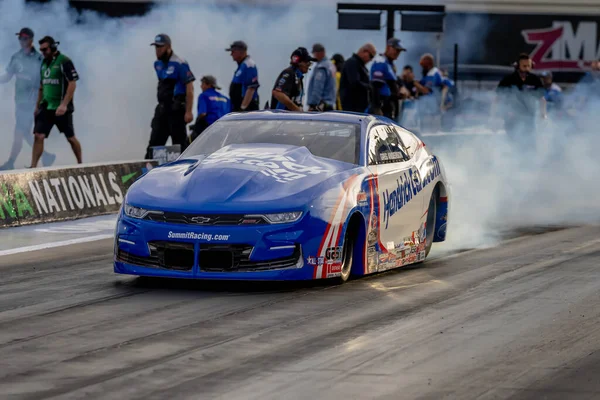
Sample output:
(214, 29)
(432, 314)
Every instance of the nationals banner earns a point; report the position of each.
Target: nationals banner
(60, 194)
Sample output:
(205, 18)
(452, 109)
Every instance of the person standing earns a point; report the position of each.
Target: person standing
(288, 90)
(25, 66)
(55, 99)
(175, 97)
(384, 80)
(338, 60)
(354, 82)
(212, 105)
(521, 93)
(243, 90)
(321, 94)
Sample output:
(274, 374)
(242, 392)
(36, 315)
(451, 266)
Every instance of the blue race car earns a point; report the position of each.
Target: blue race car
(276, 195)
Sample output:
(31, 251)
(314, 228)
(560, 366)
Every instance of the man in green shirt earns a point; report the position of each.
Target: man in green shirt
(24, 66)
(55, 99)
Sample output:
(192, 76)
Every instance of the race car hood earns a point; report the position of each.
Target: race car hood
(243, 177)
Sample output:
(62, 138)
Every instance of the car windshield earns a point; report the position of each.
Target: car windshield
(333, 140)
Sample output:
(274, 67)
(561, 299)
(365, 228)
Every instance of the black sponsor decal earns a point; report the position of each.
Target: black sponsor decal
(333, 253)
(48, 195)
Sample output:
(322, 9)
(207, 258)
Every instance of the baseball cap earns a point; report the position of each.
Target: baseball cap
(318, 47)
(301, 54)
(545, 74)
(395, 43)
(238, 45)
(25, 32)
(210, 80)
(161, 39)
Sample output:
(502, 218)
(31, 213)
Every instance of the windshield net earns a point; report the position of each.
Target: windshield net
(333, 140)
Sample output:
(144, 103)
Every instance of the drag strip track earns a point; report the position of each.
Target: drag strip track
(517, 321)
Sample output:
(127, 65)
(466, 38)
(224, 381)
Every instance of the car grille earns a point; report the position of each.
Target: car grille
(205, 219)
(168, 255)
(223, 258)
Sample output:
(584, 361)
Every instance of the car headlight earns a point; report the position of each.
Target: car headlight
(281, 218)
(137, 212)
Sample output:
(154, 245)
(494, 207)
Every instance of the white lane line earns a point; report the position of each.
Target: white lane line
(54, 244)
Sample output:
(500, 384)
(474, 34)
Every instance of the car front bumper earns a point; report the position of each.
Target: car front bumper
(262, 252)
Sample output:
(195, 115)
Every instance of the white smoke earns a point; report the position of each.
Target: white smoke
(494, 186)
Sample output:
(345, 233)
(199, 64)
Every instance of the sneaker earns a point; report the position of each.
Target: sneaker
(48, 159)
(7, 166)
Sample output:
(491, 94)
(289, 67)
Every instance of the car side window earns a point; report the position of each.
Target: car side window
(385, 146)
(410, 141)
(378, 148)
(397, 149)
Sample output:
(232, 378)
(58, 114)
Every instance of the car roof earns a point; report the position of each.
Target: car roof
(329, 116)
(362, 119)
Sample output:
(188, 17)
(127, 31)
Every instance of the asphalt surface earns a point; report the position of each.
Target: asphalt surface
(520, 321)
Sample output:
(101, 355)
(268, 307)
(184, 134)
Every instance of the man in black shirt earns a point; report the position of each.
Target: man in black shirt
(520, 94)
(355, 82)
(289, 87)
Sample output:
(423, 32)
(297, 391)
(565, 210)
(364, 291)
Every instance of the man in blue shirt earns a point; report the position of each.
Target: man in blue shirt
(25, 66)
(552, 93)
(321, 94)
(243, 90)
(212, 105)
(384, 79)
(175, 97)
(430, 92)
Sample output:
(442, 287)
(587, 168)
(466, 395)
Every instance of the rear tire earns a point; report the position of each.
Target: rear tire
(430, 224)
(347, 258)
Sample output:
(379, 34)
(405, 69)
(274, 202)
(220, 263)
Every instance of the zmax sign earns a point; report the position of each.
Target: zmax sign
(563, 46)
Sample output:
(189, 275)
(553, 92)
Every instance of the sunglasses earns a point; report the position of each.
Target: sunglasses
(44, 49)
(24, 39)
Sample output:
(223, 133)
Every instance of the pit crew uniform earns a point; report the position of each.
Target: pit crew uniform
(169, 115)
(245, 77)
(55, 77)
(214, 105)
(290, 82)
(385, 87)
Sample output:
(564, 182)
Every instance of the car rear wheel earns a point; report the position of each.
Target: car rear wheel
(347, 257)
(430, 224)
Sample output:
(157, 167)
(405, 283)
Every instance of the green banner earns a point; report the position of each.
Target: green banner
(60, 194)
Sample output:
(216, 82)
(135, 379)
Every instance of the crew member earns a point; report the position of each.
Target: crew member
(552, 93)
(243, 90)
(430, 93)
(175, 97)
(25, 66)
(55, 99)
(354, 82)
(289, 87)
(384, 80)
(408, 94)
(520, 94)
(322, 88)
(212, 105)
(338, 61)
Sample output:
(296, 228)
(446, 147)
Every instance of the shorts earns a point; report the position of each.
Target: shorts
(24, 118)
(46, 119)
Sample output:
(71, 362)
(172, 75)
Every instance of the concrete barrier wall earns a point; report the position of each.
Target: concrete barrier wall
(60, 194)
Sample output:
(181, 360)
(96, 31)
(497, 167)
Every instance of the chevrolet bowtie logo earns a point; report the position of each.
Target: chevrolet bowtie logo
(200, 220)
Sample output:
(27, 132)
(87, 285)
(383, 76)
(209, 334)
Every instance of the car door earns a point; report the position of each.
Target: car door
(397, 184)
